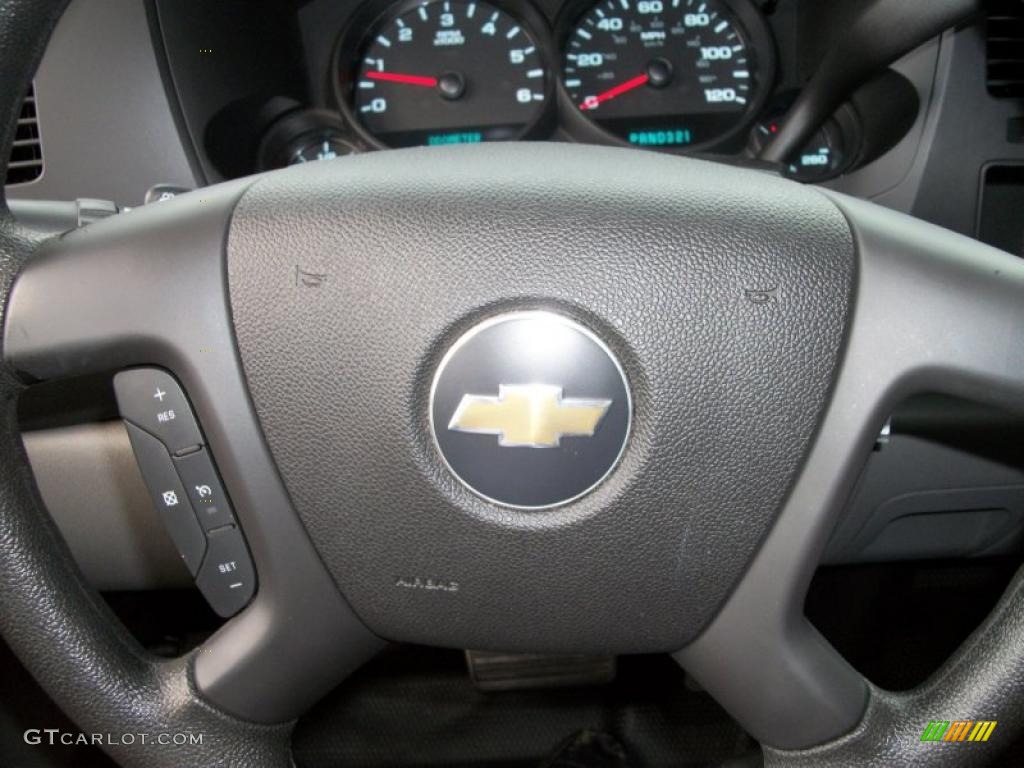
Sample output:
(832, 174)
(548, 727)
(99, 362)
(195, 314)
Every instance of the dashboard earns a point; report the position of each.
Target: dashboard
(182, 94)
(676, 76)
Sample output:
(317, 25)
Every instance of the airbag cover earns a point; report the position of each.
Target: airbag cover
(723, 293)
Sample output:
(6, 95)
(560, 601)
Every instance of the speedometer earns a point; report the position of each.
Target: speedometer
(668, 73)
(447, 72)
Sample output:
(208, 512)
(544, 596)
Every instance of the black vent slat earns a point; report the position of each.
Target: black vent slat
(1004, 47)
(26, 160)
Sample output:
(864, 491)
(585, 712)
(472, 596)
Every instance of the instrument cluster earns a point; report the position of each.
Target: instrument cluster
(714, 77)
(675, 75)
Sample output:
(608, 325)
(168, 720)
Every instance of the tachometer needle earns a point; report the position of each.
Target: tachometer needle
(591, 102)
(394, 77)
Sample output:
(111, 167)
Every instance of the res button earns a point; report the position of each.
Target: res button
(151, 399)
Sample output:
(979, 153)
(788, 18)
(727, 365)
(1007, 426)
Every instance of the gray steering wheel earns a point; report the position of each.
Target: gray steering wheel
(761, 332)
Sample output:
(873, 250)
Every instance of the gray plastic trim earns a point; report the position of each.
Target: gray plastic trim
(91, 486)
(149, 288)
(893, 179)
(107, 126)
(935, 312)
(48, 216)
(877, 36)
(917, 480)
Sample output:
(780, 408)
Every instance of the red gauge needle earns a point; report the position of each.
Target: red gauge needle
(394, 77)
(591, 102)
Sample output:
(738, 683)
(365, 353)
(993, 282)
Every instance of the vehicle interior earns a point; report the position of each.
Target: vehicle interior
(512, 383)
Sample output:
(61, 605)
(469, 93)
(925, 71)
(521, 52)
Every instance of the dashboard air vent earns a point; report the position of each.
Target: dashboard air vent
(1004, 38)
(27, 152)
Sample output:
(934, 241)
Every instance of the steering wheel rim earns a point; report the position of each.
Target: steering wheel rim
(823, 714)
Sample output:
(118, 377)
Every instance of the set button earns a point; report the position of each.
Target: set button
(227, 578)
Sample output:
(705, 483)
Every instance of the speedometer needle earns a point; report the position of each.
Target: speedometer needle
(394, 77)
(591, 102)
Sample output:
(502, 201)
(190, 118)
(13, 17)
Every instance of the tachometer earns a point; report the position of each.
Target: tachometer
(668, 73)
(447, 71)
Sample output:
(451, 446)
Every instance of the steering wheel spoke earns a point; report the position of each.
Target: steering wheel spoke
(936, 313)
(148, 288)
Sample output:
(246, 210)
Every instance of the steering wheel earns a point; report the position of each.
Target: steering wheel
(326, 320)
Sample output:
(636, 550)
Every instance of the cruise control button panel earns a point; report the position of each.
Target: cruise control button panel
(169, 496)
(182, 478)
(226, 578)
(151, 399)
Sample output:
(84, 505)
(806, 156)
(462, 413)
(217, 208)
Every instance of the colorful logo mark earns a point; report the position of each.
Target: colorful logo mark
(958, 730)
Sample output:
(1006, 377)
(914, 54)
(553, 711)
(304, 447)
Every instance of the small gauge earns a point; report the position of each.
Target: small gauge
(307, 149)
(668, 74)
(822, 157)
(446, 72)
(304, 136)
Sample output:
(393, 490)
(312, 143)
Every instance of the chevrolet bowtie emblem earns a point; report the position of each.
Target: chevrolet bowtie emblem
(527, 380)
(533, 415)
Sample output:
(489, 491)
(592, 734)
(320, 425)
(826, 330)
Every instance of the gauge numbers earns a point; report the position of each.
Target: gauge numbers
(449, 72)
(662, 73)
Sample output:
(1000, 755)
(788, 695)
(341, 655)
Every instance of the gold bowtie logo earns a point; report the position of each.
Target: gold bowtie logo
(533, 415)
